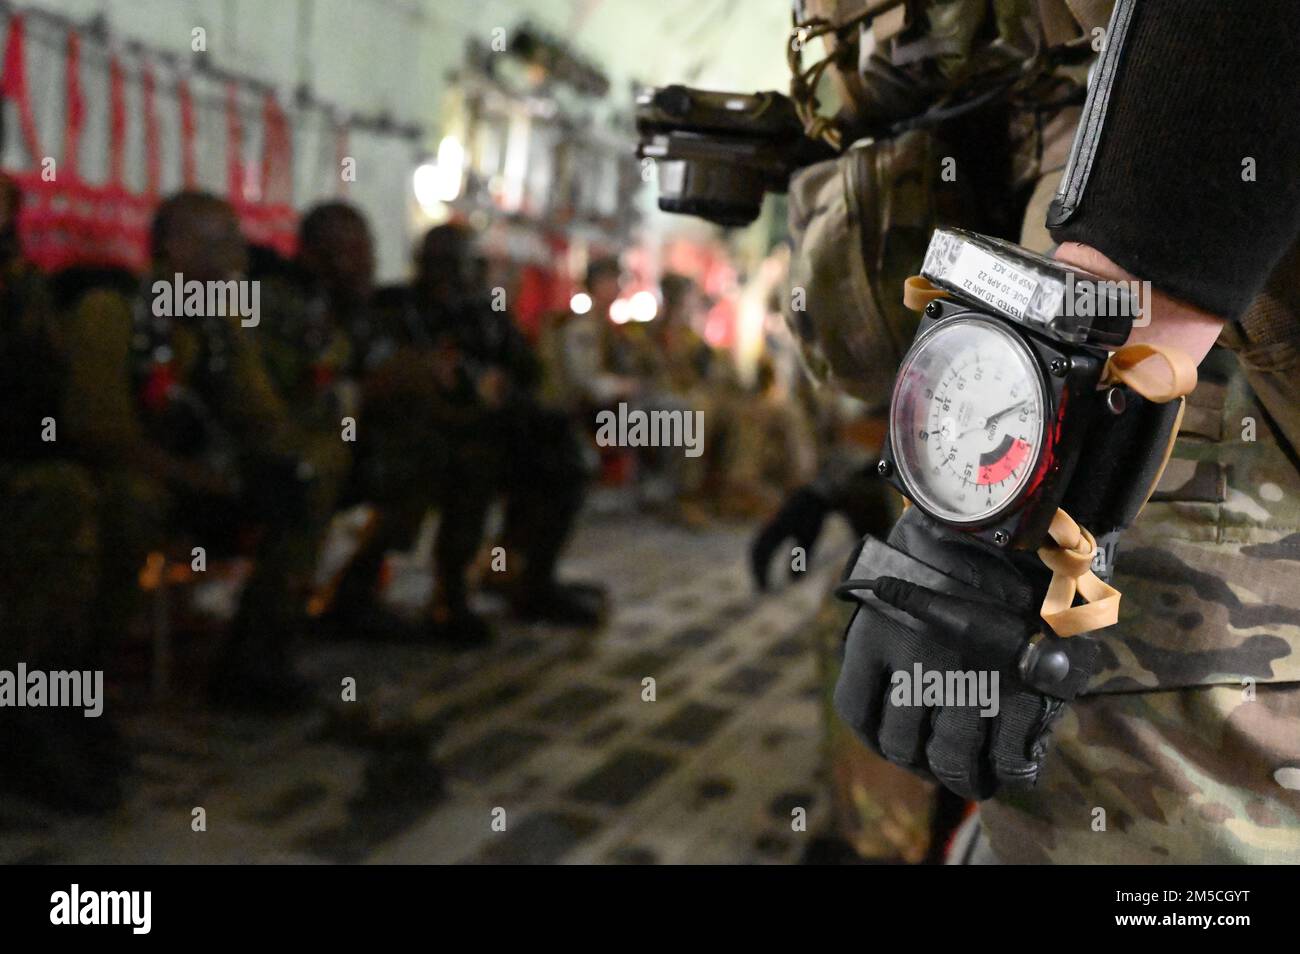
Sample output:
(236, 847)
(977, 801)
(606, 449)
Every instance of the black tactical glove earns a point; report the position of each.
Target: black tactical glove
(800, 519)
(936, 604)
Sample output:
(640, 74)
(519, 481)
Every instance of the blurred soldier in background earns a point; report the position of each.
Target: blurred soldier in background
(530, 452)
(682, 359)
(587, 364)
(673, 365)
(49, 550)
(399, 452)
(383, 364)
(188, 437)
(451, 420)
(310, 356)
(321, 341)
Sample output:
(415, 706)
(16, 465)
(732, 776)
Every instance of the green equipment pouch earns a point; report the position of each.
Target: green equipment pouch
(859, 224)
(1266, 340)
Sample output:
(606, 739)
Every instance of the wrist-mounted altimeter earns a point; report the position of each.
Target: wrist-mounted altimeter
(1018, 400)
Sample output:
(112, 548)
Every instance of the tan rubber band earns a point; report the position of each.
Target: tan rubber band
(1069, 557)
(918, 292)
(1172, 376)
(1159, 374)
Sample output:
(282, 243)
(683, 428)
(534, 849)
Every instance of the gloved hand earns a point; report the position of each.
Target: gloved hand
(800, 519)
(937, 601)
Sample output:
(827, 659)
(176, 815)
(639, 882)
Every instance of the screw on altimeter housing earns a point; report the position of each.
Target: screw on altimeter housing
(1059, 366)
(934, 309)
(1001, 537)
(883, 468)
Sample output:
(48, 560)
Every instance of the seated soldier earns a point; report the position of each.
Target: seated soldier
(177, 413)
(48, 552)
(453, 421)
(385, 358)
(312, 307)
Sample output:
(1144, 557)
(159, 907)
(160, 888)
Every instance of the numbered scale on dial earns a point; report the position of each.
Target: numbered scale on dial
(967, 420)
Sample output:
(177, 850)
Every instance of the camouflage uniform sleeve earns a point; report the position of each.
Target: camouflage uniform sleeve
(98, 408)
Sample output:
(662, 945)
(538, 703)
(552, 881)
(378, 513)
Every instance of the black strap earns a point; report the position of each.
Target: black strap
(1119, 463)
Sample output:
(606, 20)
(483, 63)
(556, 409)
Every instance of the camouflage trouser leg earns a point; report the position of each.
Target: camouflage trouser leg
(1186, 748)
(1204, 775)
(402, 463)
(49, 552)
(294, 554)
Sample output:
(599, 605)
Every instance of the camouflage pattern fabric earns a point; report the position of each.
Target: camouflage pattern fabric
(1187, 746)
(882, 810)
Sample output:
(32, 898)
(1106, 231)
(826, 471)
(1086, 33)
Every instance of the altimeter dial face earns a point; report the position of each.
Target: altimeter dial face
(966, 419)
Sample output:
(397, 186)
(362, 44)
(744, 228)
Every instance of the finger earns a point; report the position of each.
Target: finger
(904, 721)
(859, 691)
(913, 694)
(956, 751)
(1020, 736)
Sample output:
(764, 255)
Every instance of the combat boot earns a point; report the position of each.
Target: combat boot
(560, 604)
(452, 623)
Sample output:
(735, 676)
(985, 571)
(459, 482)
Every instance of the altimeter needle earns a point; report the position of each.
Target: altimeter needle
(986, 421)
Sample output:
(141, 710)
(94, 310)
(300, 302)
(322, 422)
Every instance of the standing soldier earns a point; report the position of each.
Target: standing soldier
(1183, 746)
(959, 114)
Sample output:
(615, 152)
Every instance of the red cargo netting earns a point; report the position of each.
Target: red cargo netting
(67, 221)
